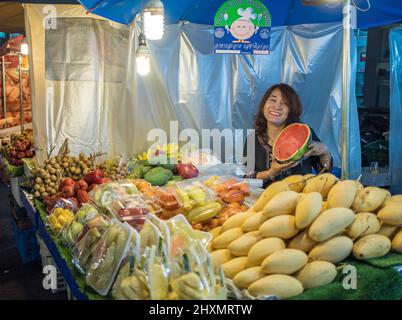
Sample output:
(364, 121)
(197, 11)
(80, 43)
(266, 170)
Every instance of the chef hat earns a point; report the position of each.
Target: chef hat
(247, 13)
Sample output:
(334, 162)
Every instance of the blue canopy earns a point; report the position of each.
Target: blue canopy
(284, 12)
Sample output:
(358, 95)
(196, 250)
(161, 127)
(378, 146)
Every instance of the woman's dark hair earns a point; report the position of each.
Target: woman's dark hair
(293, 101)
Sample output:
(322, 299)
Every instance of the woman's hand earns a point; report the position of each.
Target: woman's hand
(316, 149)
(276, 169)
(320, 150)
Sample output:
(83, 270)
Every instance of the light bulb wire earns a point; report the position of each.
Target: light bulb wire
(355, 4)
(360, 8)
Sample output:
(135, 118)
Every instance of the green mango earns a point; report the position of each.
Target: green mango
(158, 176)
(169, 166)
(137, 173)
(176, 178)
(145, 169)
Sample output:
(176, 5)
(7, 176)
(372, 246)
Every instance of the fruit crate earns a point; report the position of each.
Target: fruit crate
(26, 242)
(47, 260)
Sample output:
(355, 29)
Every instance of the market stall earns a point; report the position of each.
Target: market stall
(155, 225)
(195, 236)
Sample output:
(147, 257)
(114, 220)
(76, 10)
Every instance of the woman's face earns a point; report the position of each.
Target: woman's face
(276, 110)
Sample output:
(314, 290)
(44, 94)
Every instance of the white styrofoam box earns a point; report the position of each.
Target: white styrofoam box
(15, 190)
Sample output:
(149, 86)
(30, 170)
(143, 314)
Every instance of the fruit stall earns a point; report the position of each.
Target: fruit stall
(156, 226)
(143, 229)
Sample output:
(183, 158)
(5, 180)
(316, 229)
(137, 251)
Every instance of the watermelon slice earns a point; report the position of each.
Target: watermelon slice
(292, 143)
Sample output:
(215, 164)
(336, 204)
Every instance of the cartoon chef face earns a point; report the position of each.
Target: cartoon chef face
(242, 29)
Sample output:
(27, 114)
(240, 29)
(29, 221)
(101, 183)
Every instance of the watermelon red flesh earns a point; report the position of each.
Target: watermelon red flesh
(292, 142)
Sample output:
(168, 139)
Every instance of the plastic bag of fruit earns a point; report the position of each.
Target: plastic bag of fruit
(104, 194)
(122, 289)
(229, 189)
(115, 168)
(61, 215)
(131, 209)
(83, 250)
(86, 218)
(145, 273)
(182, 235)
(192, 275)
(107, 255)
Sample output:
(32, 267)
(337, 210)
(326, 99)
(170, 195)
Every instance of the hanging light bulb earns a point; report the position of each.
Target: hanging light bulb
(24, 47)
(142, 56)
(154, 19)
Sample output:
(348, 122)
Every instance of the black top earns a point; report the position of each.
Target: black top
(263, 160)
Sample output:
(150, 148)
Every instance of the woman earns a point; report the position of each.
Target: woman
(280, 107)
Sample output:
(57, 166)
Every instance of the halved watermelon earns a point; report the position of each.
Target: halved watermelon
(292, 143)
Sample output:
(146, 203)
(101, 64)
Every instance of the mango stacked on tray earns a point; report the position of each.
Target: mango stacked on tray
(300, 228)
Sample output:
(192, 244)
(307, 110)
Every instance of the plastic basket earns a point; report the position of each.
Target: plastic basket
(27, 244)
(47, 260)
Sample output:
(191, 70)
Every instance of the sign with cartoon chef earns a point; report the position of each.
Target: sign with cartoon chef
(242, 27)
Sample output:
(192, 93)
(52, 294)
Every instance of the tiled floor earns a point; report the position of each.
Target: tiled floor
(18, 281)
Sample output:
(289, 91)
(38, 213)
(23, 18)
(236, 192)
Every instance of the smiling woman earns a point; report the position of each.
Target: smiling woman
(279, 108)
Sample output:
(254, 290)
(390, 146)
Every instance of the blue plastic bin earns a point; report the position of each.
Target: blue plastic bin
(27, 244)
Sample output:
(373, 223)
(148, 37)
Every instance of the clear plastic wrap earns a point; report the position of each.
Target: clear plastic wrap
(146, 274)
(127, 268)
(104, 194)
(61, 216)
(229, 189)
(133, 209)
(86, 218)
(183, 235)
(83, 251)
(107, 256)
(192, 193)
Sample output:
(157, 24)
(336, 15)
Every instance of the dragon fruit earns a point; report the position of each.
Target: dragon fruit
(187, 170)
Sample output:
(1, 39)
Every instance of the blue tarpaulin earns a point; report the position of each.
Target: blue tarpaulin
(284, 12)
(395, 136)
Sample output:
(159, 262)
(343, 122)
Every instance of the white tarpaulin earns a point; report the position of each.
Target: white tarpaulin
(203, 90)
(93, 95)
(78, 64)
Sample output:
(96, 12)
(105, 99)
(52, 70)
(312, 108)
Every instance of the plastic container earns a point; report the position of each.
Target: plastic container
(166, 198)
(27, 244)
(82, 252)
(107, 257)
(192, 194)
(104, 194)
(131, 209)
(127, 266)
(229, 189)
(86, 218)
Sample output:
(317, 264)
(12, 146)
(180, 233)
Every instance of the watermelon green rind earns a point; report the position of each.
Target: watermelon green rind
(299, 154)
